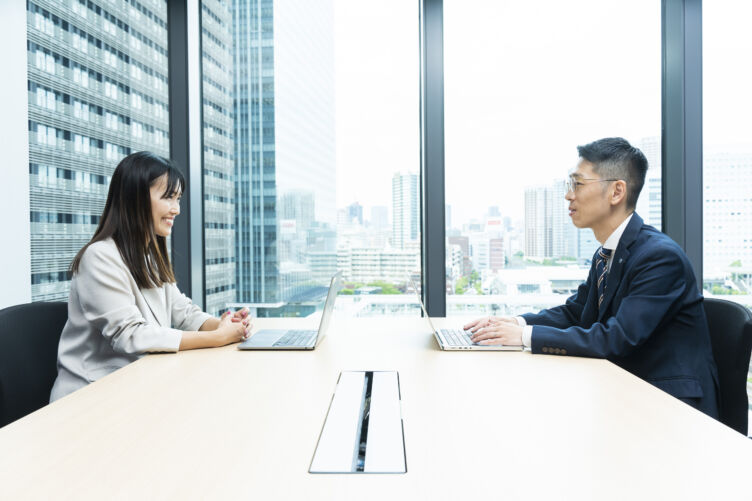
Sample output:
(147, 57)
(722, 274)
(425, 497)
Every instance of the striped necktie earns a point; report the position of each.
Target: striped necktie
(601, 271)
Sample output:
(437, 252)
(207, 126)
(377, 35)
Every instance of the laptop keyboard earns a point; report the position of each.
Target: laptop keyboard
(457, 337)
(296, 338)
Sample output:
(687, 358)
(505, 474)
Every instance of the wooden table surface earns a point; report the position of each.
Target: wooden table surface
(229, 424)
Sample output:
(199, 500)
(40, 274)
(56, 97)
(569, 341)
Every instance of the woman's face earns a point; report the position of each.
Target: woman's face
(164, 208)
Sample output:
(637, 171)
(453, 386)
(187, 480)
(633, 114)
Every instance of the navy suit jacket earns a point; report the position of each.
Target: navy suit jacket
(651, 323)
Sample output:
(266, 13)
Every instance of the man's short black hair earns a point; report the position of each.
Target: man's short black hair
(615, 158)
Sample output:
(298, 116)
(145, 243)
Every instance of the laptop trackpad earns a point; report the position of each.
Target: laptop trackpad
(265, 337)
(363, 428)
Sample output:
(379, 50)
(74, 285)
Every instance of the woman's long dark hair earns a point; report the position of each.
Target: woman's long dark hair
(128, 220)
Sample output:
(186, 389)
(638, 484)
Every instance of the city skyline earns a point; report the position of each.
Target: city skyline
(283, 152)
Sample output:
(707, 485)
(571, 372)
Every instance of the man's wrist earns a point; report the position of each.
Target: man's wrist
(527, 336)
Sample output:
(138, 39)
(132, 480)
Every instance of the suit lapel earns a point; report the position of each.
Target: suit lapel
(154, 299)
(619, 257)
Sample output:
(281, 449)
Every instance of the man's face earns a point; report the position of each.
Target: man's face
(589, 200)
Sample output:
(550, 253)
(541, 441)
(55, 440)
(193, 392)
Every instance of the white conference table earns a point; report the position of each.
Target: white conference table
(226, 424)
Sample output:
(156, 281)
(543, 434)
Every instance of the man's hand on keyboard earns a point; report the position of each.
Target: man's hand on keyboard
(486, 321)
(496, 330)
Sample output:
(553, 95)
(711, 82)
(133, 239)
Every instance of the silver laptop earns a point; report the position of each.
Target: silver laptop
(458, 339)
(296, 339)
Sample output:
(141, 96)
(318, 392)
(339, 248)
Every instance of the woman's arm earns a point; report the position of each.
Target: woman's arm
(213, 322)
(210, 324)
(226, 332)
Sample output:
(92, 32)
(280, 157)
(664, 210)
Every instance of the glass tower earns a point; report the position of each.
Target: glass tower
(218, 167)
(254, 152)
(97, 82)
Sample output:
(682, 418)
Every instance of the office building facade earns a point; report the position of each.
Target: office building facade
(218, 164)
(549, 231)
(727, 212)
(370, 264)
(649, 204)
(405, 209)
(97, 91)
(538, 222)
(257, 269)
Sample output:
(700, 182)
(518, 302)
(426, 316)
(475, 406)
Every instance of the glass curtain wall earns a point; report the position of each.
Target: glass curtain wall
(97, 83)
(525, 83)
(218, 166)
(300, 181)
(727, 152)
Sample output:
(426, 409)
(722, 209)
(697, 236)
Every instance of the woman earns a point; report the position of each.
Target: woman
(123, 299)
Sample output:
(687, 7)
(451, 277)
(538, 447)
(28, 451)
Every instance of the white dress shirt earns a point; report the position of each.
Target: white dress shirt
(611, 243)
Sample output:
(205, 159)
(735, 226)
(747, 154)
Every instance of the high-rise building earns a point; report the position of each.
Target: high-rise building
(405, 209)
(296, 210)
(257, 272)
(538, 222)
(379, 217)
(549, 232)
(304, 102)
(727, 211)
(219, 168)
(355, 213)
(649, 203)
(300, 206)
(97, 80)
(285, 144)
(563, 232)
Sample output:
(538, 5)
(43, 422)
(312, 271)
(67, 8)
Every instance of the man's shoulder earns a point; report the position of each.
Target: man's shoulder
(653, 239)
(652, 245)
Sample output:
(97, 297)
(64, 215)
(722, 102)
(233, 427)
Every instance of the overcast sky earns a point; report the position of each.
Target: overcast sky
(525, 83)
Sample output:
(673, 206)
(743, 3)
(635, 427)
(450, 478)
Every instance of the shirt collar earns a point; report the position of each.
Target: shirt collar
(613, 240)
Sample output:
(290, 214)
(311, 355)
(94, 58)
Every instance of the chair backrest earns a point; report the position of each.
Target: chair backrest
(730, 327)
(29, 338)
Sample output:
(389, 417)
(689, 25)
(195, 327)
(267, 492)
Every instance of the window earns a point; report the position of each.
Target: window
(80, 75)
(290, 197)
(80, 110)
(136, 101)
(727, 151)
(110, 89)
(46, 135)
(45, 61)
(137, 130)
(79, 8)
(521, 92)
(45, 98)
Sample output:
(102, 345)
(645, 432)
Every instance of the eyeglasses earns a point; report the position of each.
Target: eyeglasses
(574, 184)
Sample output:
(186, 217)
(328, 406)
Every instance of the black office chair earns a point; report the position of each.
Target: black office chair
(730, 327)
(29, 336)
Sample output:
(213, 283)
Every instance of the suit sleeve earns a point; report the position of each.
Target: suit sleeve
(656, 286)
(108, 304)
(185, 315)
(563, 316)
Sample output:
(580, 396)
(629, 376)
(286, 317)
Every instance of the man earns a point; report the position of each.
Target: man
(640, 307)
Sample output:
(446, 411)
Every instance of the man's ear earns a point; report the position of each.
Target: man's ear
(618, 192)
